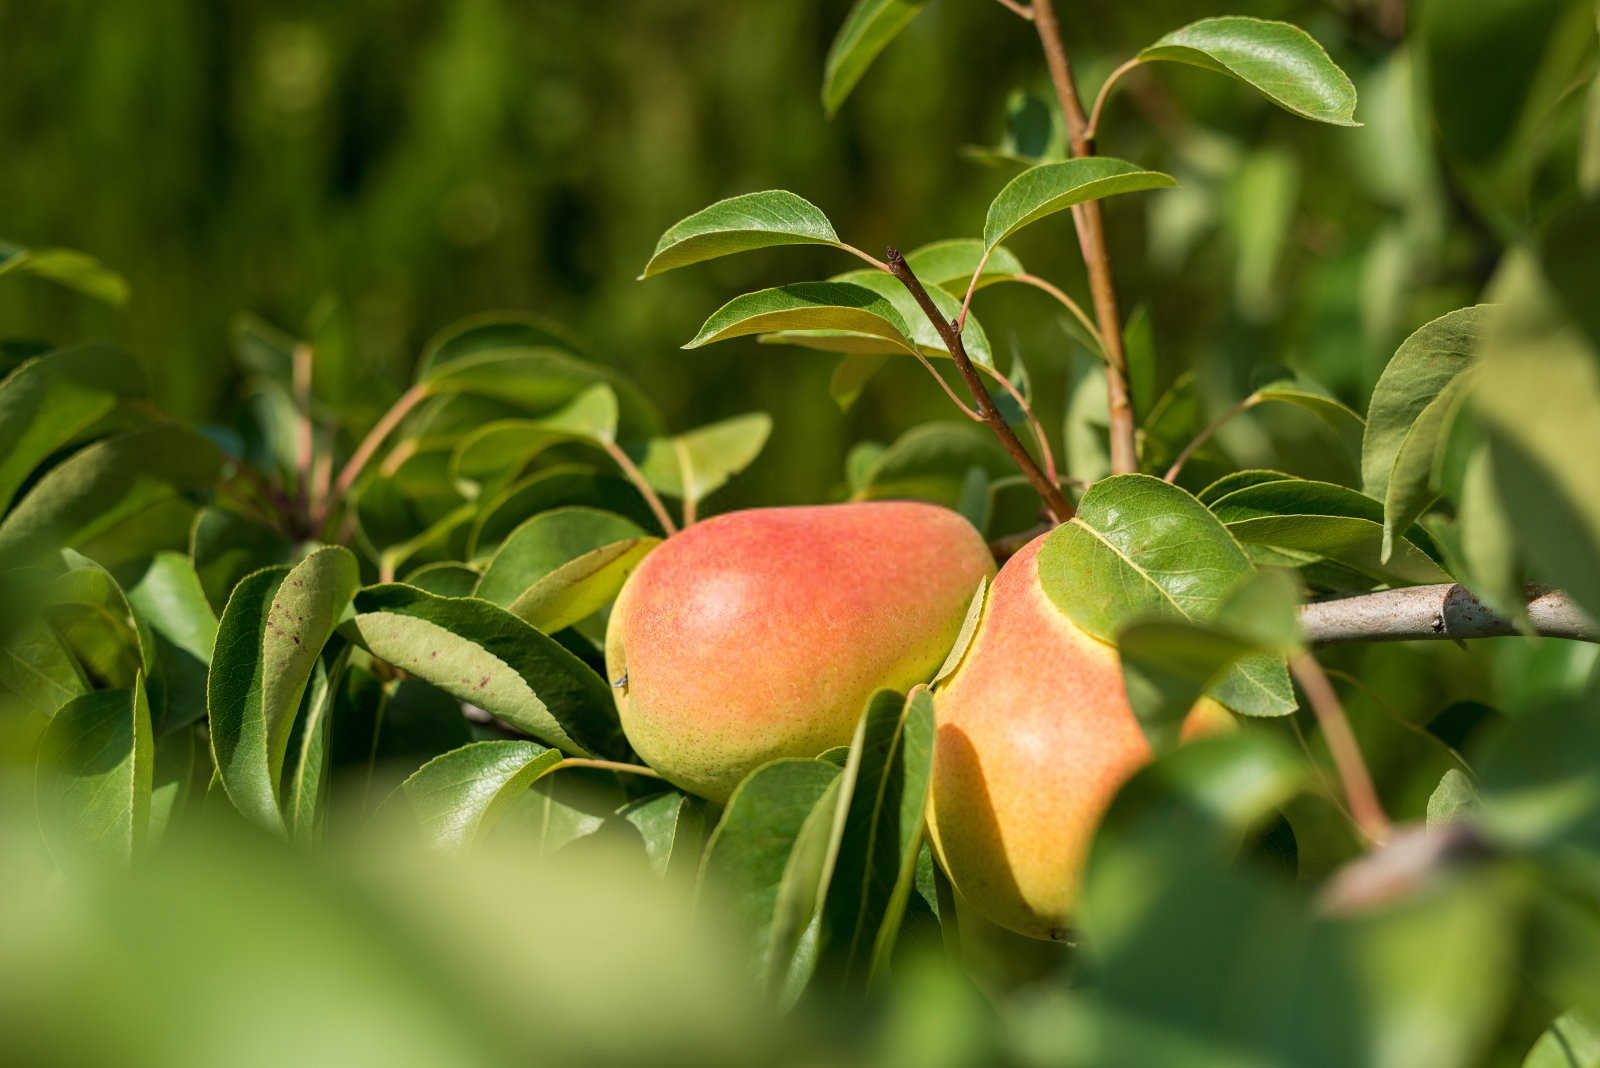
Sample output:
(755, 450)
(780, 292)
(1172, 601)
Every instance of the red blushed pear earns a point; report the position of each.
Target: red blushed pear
(761, 634)
(1035, 737)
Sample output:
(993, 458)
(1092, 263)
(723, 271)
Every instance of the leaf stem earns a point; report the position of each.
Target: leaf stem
(1067, 302)
(1060, 508)
(1205, 435)
(375, 437)
(1365, 808)
(1033, 421)
(1022, 11)
(610, 765)
(1093, 127)
(868, 257)
(972, 287)
(1092, 242)
(631, 472)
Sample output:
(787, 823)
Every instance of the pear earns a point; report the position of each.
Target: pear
(1034, 737)
(761, 634)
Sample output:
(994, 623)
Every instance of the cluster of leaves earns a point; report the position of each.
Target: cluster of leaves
(217, 626)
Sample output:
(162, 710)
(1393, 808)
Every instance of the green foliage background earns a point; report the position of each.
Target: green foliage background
(369, 172)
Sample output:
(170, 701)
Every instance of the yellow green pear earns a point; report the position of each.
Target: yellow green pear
(1035, 736)
(761, 634)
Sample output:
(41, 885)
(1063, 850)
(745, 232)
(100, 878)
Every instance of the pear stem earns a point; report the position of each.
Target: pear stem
(1060, 508)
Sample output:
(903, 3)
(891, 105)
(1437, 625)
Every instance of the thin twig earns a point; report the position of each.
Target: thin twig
(1353, 774)
(1092, 242)
(1020, 10)
(631, 472)
(868, 257)
(972, 287)
(1444, 610)
(375, 437)
(1205, 435)
(1033, 421)
(955, 398)
(1060, 508)
(1067, 302)
(1093, 128)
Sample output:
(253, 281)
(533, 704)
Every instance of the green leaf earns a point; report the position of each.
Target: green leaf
(305, 800)
(1139, 548)
(695, 464)
(268, 642)
(672, 826)
(1053, 187)
(769, 849)
(969, 629)
(90, 612)
(490, 332)
(1239, 480)
(546, 542)
(922, 333)
(876, 863)
(740, 224)
(1034, 133)
(446, 579)
(806, 306)
(169, 599)
(534, 380)
(582, 586)
(849, 377)
(499, 450)
(226, 546)
(930, 462)
(482, 654)
(867, 30)
(1282, 61)
(562, 485)
(56, 399)
(1346, 425)
(1410, 486)
(1423, 365)
(1572, 1041)
(93, 775)
(950, 264)
(1168, 664)
(1322, 521)
(457, 797)
(37, 670)
(1454, 797)
(116, 490)
(67, 267)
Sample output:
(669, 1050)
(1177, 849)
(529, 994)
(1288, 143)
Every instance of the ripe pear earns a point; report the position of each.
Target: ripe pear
(1034, 737)
(761, 634)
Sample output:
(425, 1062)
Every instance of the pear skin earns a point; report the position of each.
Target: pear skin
(1034, 738)
(761, 634)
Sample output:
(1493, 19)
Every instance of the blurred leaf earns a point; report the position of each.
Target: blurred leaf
(268, 643)
(1138, 548)
(37, 670)
(867, 30)
(113, 489)
(1282, 61)
(53, 400)
(565, 485)
(171, 780)
(491, 332)
(1538, 400)
(457, 797)
(1537, 781)
(1571, 1041)
(766, 858)
(1052, 187)
(536, 380)
(305, 796)
(1261, 201)
(1410, 489)
(1168, 664)
(1454, 796)
(1034, 133)
(1084, 430)
(930, 462)
(546, 542)
(68, 267)
(484, 655)
(1344, 424)
(851, 374)
(226, 546)
(497, 452)
(89, 610)
(695, 464)
(1322, 521)
(582, 586)
(950, 264)
(1566, 256)
(832, 306)
(876, 863)
(740, 224)
(94, 772)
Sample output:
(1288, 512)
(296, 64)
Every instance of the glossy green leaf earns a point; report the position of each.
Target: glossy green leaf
(922, 333)
(68, 267)
(111, 490)
(1423, 365)
(94, 773)
(582, 586)
(876, 863)
(695, 464)
(950, 264)
(1053, 187)
(1141, 548)
(740, 224)
(53, 400)
(1282, 61)
(484, 655)
(546, 542)
(806, 306)
(1168, 664)
(268, 643)
(867, 30)
(768, 848)
(457, 797)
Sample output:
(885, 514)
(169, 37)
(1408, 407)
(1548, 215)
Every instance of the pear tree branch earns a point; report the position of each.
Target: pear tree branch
(1446, 610)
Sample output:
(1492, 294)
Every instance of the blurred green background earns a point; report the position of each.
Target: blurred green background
(366, 173)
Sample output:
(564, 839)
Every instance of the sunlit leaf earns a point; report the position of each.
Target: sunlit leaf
(740, 224)
(68, 267)
(806, 306)
(1052, 187)
(457, 797)
(582, 586)
(867, 30)
(94, 772)
(546, 542)
(695, 464)
(951, 263)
